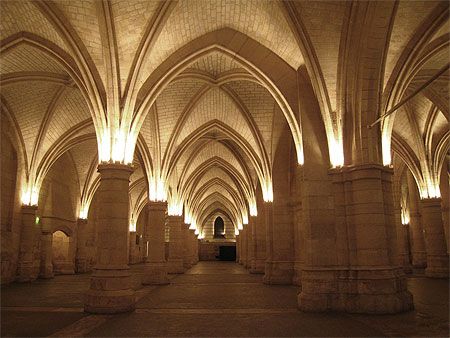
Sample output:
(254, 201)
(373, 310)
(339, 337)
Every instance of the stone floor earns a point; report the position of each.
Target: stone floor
(211, 299)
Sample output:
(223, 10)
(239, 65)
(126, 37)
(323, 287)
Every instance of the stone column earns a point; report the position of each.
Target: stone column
(111, 283)
(46, 254)
(259, 244)
(279, 266)
(361, 274)
(176, 250)
(187, 246)
(238, 248)
(243, 255)
(299, 238)
(250, 245)
(299, 246)
(418, 252)
(26, 267)
(445, 218)
(437, 258)
(196, 244)
(268, 220)
(81, 258)
(402, 240)
(194, 247)
(155, 268)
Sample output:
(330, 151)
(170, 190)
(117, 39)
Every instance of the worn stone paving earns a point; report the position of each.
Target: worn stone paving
(211, 299)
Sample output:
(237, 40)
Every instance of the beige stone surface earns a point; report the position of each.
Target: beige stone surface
(115, 113)
(175, 261)
(155, 270)
(111, 284)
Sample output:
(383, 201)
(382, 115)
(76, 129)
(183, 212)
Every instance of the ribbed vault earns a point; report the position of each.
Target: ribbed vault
(197, 95)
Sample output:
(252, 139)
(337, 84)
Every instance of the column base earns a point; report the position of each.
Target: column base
(155, 273)
(192, 261)
(27, 272)
(82, 265)
(46, 271)
(278, 272)
(419, 259)
(187, 265)
(175, 265)
(437, 266)
(110, 292)
(257, 266)
(63, 268)
(380, 291)
(406, 265)
(297, 277)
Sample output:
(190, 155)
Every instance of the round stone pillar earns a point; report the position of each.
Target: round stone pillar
(238, 248)
(243, 255)
(268, 213)
(361, 273)
(176, 250)
(192, 244)
(155, 269)
(187, 246)
(418, 251)
(402, 241)
(46, 254)
(437, 258)
(26, 270)
(111, 283)
(299, 238)
(258, 244)
(81, 258)
(249, 245)
(196, 244)
(278, 269)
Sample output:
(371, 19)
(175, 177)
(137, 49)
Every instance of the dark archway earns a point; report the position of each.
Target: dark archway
(219, 228)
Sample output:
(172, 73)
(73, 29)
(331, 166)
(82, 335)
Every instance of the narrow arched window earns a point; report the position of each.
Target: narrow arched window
(219, 228)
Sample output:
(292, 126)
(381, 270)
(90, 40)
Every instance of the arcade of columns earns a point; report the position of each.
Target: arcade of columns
(331, 211)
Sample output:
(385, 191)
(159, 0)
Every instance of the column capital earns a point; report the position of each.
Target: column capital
(115, 170)
(157, 205)
(175, 218)
(82, 220)
(431, 200)
(29, 209)
(352, 172)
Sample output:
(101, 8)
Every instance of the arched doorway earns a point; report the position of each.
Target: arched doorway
(62, 254)
(219, 228)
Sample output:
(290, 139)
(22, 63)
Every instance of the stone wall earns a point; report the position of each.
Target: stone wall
(56, 211)
(208, 251)
(137, 244)
(10, 204)
(90, 240)
(57, 208)
(208, 226)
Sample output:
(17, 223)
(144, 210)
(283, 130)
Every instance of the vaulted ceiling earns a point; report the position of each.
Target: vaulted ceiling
(211, 132)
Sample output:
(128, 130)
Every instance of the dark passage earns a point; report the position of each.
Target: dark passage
(227, 253)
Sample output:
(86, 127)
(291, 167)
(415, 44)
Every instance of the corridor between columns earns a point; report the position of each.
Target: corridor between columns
(210, 299)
